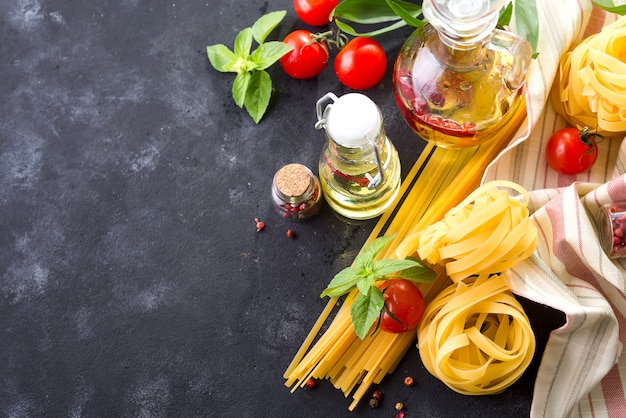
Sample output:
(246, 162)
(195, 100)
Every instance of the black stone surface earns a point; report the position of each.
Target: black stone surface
(132, 280)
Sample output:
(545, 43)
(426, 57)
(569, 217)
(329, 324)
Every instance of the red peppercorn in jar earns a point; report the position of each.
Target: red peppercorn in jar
(613, 229)
(296, 192)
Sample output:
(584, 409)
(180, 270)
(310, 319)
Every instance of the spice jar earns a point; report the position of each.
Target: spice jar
(359, 166)
(613, 229)
(458, 80)
(296, 192)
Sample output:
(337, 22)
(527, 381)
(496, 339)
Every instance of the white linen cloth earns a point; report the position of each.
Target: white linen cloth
(582, 372)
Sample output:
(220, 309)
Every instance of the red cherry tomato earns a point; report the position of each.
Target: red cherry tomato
(404, 306)
(308, 57)
(361, 64)
(570, 151)
(315, 12)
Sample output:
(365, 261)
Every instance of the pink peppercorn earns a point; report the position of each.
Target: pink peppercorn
(377, 394)
(259, 224)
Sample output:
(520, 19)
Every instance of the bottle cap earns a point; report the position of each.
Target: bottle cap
(352, 118)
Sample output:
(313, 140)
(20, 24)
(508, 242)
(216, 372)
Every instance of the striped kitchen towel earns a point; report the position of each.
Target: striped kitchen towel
(582, 372)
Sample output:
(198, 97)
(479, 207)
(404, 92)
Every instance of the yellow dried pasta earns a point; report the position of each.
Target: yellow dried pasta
(439, 179)
(486, 233)
(475, 336)
(591, 86)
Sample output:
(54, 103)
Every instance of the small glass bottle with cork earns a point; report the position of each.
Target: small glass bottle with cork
(296, 192)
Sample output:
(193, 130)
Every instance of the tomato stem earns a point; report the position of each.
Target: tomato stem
(589, 139)
(388, 312)
(339, 39)
(395, 318)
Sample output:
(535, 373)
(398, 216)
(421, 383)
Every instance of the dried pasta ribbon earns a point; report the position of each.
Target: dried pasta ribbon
(475, 336)
(487, 233)
(591, 86)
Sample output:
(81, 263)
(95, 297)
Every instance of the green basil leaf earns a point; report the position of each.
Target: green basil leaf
(268, 53)
(243, 43)
(240, 87)
(527, 21)
(372, 11)
(609, 6)
(341, 283)
(388, 266)
(365, 310)
(221, 58)
(505, 15)
(364, 284)
(418, 273)
(409, 18)
(258, 94)
(266, 24)
(365, 259)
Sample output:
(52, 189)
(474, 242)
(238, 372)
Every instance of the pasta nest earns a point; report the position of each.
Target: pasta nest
(590, 90)
(475, 336)
(487, 233)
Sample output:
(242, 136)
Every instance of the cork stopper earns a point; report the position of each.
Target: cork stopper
(293, 180)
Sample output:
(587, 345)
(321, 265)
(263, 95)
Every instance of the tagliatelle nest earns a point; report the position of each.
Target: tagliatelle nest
(591, 86)
(475, 337)
(487, 233)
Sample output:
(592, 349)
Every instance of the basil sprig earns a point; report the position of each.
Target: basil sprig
(363, 275)
(252, 86)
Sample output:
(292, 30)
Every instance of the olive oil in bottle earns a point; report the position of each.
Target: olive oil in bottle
(458, 80)
(359, 167)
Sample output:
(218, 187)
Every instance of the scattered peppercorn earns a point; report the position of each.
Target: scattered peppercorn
(259, 224)
(311, 383)
(408, 381)
(377, 394)
(290, 233)
(399, 406)
(373, 403)
(400, 415)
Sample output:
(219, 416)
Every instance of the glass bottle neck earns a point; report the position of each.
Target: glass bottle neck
(464, 27)
(356, 154)
(458, 56)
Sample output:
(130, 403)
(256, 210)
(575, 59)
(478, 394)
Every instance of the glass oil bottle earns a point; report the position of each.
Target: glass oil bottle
(359, 167)
(458, 79)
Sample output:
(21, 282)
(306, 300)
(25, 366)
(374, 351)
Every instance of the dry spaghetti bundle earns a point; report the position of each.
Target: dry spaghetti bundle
(591, 89)
(475, 336)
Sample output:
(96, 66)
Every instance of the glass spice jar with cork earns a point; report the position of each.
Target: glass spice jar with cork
(296, 192)
(613, 229)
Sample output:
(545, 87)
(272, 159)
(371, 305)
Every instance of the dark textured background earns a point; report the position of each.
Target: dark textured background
(132, 279)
